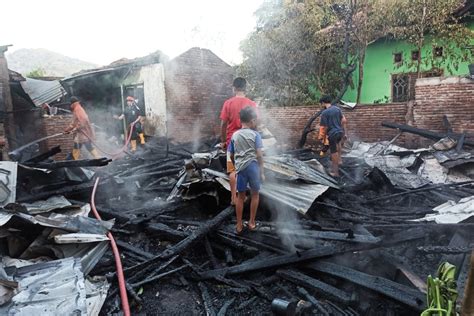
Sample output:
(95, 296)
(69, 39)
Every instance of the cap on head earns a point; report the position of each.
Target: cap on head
(130, 98)
(325, 99)
(73, 100)
(239, 84)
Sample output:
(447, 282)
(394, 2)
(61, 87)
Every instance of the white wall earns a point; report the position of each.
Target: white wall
(153, 79)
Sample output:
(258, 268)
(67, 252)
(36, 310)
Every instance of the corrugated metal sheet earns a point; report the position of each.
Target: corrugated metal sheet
(50, 288)
(41, 91)
(295, 196)
(452, 212)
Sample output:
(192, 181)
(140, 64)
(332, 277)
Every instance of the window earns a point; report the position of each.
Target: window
(397, 58)
(438, 51)
(400, 87)
(403, 85)
(415, 54)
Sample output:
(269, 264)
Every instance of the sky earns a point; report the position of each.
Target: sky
(102, 31)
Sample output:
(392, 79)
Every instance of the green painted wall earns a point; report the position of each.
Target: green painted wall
(379, 66)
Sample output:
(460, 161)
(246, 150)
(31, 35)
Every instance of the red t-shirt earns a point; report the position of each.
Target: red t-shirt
(231, 114)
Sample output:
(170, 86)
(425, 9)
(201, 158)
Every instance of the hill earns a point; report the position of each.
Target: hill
(54, 64)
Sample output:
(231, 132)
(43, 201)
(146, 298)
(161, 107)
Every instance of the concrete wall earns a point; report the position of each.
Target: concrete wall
(197, 83)
(153, 79)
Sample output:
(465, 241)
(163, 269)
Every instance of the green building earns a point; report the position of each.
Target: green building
(390, 69)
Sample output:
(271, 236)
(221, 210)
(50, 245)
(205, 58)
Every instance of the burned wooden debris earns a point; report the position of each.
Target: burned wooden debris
(360, 246)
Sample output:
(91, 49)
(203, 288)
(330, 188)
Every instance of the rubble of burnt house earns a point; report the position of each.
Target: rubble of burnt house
(365, 244)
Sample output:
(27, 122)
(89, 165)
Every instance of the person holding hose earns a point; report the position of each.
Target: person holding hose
(81, 128)
(131, 114)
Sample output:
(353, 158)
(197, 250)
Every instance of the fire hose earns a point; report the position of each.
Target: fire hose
(114, 155)
(118, 261)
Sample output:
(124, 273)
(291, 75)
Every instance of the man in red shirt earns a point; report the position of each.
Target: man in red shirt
(230, 123)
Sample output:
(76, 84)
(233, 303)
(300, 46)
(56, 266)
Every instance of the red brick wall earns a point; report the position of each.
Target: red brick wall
(53, 125)
(452, 96)
(435, 97)
(196, 83)
(287, 123)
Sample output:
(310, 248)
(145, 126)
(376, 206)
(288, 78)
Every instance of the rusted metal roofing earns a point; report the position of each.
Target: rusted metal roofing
(41, 91)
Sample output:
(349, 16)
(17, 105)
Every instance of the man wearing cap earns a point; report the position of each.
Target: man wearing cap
(81, 129)
(131, 114)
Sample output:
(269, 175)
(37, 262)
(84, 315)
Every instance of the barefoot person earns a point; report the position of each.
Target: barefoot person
(245, 151)
(334, 126)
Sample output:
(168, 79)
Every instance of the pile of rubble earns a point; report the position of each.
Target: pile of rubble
(361, 245)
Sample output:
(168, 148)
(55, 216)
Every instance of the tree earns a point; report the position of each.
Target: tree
(286, 59)
(36, 73)
(302, 50)
(417, 20)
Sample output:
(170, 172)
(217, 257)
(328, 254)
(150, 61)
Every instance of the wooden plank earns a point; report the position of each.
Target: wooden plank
(401, 293)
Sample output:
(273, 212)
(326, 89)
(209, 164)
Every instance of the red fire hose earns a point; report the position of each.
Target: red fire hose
(118, 262)
(114, 155)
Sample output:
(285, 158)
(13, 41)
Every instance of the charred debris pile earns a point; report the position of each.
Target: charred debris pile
(363, 245)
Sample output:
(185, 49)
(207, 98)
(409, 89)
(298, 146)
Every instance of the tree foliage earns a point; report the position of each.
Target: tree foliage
(36, 73)
(302, 49)
(417, 20)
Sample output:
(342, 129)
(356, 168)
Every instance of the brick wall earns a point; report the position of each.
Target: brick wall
(287, 123)
(53, 125)
(435, 97)
(196, 83)
(451, 96)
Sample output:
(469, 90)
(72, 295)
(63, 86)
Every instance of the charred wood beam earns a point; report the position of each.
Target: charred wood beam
(324, 288)
(423, 132)
(307, 128)
(140, 275)
(329, 235)
(283, 260)
(134, 170)
(237, 245)
(201, 232)
(206, 298)
(167, 232)
(210, 253)
(252, 242)
(156, 174)
(38, 158)
(432, 187)
(70, 163)
(246, 303)
(134, 249)
(66, 191)
(195, 236)
(313, 301)
(401, 293)
(158, 276)
(324, 251)
(447, 125)
(225, 307)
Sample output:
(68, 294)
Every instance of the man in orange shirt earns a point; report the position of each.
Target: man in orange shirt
(230, 123)
(81, 129)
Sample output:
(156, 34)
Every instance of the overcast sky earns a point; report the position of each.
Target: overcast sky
(101, 31)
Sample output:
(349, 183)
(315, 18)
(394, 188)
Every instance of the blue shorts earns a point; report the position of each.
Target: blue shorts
(250, 176)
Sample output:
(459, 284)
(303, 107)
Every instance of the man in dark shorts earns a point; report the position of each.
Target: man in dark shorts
(333, 126)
